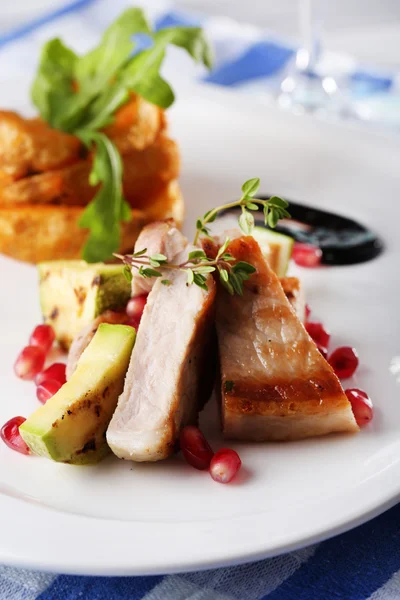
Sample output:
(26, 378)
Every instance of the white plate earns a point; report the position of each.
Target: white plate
(122, 518)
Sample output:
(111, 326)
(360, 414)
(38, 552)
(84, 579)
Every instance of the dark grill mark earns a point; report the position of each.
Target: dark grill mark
(90, 445)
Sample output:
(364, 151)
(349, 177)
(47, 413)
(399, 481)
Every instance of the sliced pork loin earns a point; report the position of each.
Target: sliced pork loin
(275, 384)
(160, 237)
(164, 386)
(294, 292)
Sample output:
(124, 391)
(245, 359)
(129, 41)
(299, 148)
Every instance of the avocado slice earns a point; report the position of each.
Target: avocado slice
(73, 293)
(71, 426)
(276, 247)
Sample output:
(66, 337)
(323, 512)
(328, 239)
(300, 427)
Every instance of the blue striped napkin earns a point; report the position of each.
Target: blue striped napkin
(359, 565)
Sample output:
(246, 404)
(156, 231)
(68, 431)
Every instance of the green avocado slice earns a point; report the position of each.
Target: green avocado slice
(73, 293)
(71, 426)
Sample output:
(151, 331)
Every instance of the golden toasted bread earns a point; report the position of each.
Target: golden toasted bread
(35, 233)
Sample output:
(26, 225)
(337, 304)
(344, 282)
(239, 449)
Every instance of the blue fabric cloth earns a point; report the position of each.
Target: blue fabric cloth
(358, 565)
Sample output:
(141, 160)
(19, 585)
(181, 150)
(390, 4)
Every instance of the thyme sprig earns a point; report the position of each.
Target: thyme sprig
(274, 209)
(232, 273)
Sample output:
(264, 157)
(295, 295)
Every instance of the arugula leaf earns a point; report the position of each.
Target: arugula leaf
(80, 95)
(101, 216)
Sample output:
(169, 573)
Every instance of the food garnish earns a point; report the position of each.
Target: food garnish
(224, 465)
(361, 405)
(231, 273)
(344, 361)
(80, 95)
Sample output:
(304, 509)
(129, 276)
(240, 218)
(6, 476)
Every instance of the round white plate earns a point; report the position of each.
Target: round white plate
(122, 518)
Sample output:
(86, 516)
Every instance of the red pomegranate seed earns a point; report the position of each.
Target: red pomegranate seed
(46, 389)
(306, 255)
(324, 351)
(133, 322)
(30, 362)
(224, 465)
(318, 333)
(361, 405)
(195, 448)
(344, 361)
(135, 306)
(10, 434)
(308, 311)
(55, 371)
(43, 336)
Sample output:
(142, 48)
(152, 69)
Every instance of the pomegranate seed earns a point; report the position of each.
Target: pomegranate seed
(361, 405)
(344, 361)
(55, 371)
(30, 362)
(133, 322)
(224, 465)
(324, 351)
(10, 434)
(135, 306)
(43, 336)
(46, 389)
(318, 333)
(308, 311)
(306, 255)
(195, 448)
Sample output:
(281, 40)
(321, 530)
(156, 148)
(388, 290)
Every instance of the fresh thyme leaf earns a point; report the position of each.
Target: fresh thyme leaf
(228, 286)
(128, 273)
(200, 281)
(190, 276)
(223, 273)
(166, 281)
(154, 263)
(244, 267)
(140, 253)
(246, 222)
(161, 258)
(103, 214)
(273, 218)
(251, 206)
(236, 282)
(228, 385)
(228, 257)
(196, 254)
(203, 269)
(148, 273)
(250, 187)
(223, 248)
(212, 218)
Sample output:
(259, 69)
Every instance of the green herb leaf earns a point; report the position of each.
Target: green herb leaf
(223, 273)
(140, 253)
(200, 281)
(251, 206)
(166, 281)
(196, 254)
(250, 187)
(223, 248)
(103, 214)
(190, 276)
(128, 273)
(228, 286)
(276, 201)
(246, 222)
(159, 257)
(207, 216)
(244, 267)
(273, 218)
(148, 273)
(204, 269)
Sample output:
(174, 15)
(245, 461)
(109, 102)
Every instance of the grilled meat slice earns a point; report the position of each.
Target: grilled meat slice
(294, 292)
(275, 384)
(165, 381)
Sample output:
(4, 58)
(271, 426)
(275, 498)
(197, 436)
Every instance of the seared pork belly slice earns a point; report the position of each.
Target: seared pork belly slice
(295, 294)
(159, 237)
(275, 384)
(164, 385)
(87, 333)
